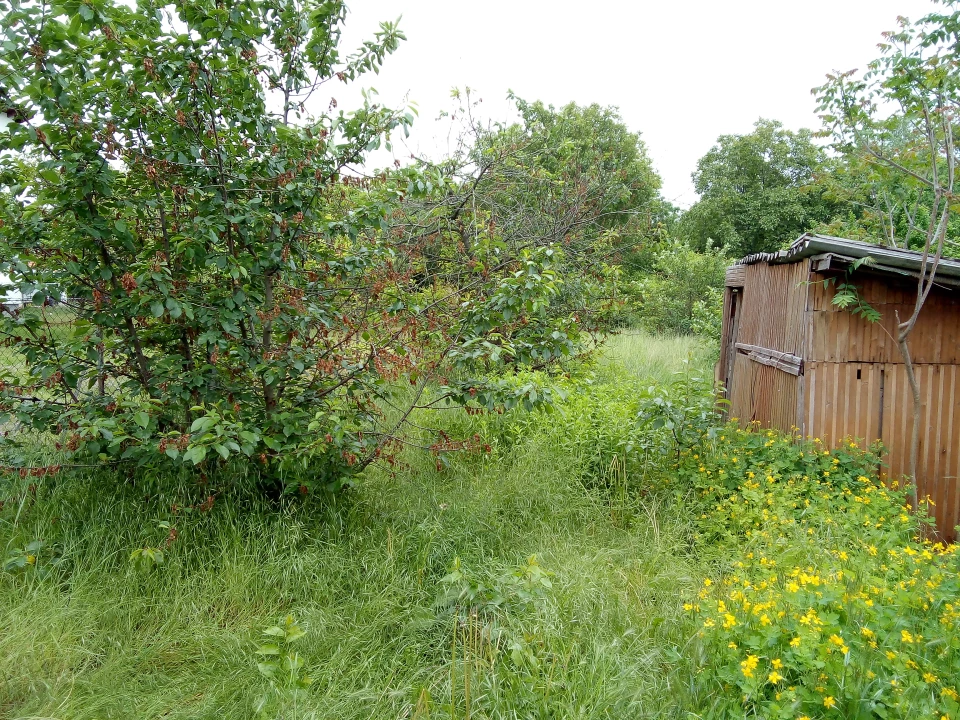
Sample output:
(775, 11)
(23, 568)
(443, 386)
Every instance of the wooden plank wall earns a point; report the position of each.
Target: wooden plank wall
(774, 304)
(720, 370)
(839, 336)
(840, 405)
(735, 275)
(853, 383)
(771, 317)
(763, 394)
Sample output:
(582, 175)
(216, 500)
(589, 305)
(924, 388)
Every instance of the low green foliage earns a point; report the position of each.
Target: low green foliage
(36, 557)
(683, 294)
(829, 601)
(619, 556)
(593, 628)
(281, 665)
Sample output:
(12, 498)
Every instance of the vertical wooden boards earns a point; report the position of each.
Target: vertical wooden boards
(840, 336)
(853, 384)
(722, 367)
(775, 298)
(735, 275)
(743, 377)
(763, 394)
(873, 401)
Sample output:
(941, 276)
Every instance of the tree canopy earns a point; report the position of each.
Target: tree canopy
(757, 191)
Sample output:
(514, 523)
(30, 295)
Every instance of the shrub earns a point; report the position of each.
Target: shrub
(683, 294)
(237, 296)
(831, 600)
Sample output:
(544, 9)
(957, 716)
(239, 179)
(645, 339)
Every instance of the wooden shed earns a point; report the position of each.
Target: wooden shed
(790, 358)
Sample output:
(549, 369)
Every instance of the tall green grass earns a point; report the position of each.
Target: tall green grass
(656, 358)
(364, 576)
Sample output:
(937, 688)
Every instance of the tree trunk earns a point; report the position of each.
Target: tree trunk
(915, 431)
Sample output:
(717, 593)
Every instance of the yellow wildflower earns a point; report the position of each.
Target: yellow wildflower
(829, 702)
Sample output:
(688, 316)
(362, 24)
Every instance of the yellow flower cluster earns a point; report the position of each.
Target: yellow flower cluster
(833, 596)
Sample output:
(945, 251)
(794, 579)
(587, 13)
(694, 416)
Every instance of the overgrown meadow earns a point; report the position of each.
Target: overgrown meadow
(530, 580)
(620, 556)
(285, 437)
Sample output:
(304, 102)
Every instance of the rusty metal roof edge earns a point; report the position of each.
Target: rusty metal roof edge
(810, 244)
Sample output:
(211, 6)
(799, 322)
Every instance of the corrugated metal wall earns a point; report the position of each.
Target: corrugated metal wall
(763, 394)
(771, 316)
(853, 366)
(774, 303)
(839, 336)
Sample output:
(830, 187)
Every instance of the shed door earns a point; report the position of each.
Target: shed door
(730, 351)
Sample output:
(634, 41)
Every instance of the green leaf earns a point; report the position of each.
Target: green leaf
(196, 454)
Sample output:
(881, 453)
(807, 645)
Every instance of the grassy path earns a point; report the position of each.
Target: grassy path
(366, 580)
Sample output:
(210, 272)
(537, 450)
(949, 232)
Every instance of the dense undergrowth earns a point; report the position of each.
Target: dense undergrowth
(833, 598)
(620, 556)
(417, 590)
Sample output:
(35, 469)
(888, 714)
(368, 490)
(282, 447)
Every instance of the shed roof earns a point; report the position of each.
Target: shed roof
(886, 259)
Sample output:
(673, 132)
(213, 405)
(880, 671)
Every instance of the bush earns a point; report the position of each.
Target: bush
(237, 296)
(684, 294)
(831, 601)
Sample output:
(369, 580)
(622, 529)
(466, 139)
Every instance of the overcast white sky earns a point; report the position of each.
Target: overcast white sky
(682, 73)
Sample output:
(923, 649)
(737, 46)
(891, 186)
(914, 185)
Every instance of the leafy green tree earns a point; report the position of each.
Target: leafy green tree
(575, 179)
(883, 204)
(757, 191)
(683, 293)
(576, 175)
(246, 295)
(593, 145)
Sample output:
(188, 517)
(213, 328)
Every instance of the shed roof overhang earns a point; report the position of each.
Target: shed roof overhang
(886, 260)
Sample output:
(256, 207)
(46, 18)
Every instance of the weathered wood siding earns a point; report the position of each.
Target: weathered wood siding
(839, 336)
(878, 405)
(763, 394)
(720, 371)
(774, 304)
(853, 383)
(735, 275)
(771, 317)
